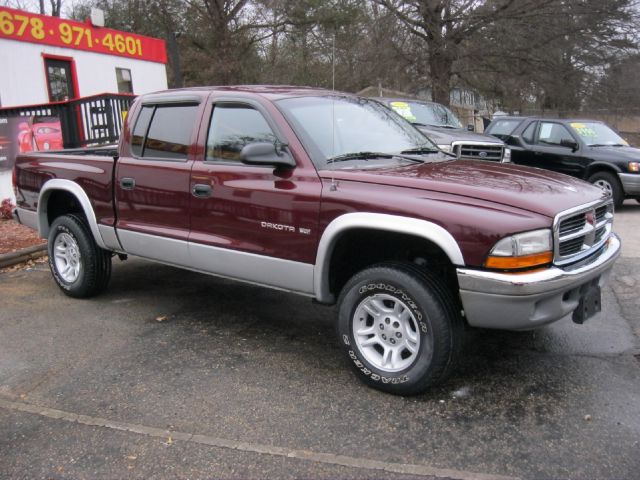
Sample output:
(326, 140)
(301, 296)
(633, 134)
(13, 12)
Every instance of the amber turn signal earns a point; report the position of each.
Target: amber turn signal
(524, 261)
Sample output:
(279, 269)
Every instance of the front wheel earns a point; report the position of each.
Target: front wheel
(399, 327)
(609, 183)
(80, 268)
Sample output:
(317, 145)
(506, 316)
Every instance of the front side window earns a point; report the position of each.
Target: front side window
(163, 131)
(553, 134)
(125, 83)
(232, 127)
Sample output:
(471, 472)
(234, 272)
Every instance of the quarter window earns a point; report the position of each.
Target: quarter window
(529, 132)
(231, 128)
(140, 130)
(553, 134)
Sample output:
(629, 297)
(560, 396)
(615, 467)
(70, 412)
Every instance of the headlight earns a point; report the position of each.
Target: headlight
(634, 167)
(523, 250)
(507, 155)
(445, 148)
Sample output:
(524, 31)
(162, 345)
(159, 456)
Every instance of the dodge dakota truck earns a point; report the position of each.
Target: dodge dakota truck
(334, 197)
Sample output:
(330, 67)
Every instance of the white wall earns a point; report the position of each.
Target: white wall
(23, 81)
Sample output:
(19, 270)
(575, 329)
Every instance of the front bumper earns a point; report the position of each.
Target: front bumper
(531, 300)
(630, 183)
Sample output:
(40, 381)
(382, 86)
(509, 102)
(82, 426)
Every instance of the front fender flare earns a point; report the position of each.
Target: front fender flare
(376, 221)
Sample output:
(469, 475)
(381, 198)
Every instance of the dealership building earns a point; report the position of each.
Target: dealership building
(72, 79)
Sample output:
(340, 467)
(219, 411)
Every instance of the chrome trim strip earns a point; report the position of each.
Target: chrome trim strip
(28, 218)
(221, 262)
(75, 189)
(375, 221)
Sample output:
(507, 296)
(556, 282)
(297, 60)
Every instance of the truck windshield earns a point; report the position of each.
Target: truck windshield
(331, 127)
(596, 134)
(426, 113)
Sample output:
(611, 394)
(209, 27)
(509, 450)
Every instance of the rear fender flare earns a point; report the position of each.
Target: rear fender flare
(77, 191)
(376, 221)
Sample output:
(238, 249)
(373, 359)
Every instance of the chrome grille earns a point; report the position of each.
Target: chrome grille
(581, 231)
(478, 151)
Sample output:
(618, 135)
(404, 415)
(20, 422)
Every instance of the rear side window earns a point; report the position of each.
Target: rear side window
(170, 132)
(231, 128)
(163, 131)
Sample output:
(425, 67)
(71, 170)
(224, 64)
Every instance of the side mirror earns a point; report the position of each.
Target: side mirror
(471, 128)
(265, 153)
(572, 144)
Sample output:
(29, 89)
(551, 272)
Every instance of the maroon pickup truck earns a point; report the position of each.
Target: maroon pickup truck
(335, 197)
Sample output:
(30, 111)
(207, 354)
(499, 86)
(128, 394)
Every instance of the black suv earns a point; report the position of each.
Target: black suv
(444, 129)
(587, 149)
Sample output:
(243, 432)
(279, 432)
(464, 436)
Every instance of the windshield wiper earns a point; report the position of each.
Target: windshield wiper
(420, 150)
(606, 145)
(358, 156)
(370, 155)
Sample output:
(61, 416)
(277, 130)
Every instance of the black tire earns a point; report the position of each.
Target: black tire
(433, 311)
(609, 182)
(94, 263)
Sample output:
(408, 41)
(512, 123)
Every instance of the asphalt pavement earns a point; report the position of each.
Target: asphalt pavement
(172, 374)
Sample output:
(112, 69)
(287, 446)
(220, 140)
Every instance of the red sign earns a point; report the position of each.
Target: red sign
(30, 27)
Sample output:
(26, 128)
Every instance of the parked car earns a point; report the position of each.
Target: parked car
(334, 197)
(586, 149)
(443, 128)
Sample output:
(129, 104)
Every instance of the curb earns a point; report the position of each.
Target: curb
(12, 258)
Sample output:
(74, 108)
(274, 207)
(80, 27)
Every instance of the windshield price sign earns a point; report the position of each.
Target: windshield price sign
(30, 27)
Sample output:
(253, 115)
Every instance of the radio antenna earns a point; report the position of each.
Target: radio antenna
(334, 185)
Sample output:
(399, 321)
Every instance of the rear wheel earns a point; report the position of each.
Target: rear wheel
(609, 182)
(399, 327)
(79, 267)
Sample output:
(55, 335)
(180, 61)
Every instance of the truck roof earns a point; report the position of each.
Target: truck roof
(272, 92)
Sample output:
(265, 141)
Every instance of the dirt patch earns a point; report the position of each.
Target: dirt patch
(14, 236)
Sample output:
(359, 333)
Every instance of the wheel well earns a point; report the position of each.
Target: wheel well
(358, 249)
(599, 168)
(61, 202)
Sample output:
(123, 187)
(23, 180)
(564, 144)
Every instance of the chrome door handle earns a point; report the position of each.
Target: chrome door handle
(201, 190)
(127, 183)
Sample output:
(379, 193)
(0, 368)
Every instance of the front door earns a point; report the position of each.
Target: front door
(252, 222)
(552, 151)
(60, 79)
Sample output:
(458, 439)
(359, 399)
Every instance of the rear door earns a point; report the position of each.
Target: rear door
(255, 223)
(152, 181)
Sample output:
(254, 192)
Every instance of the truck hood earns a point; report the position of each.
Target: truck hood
(444, 136)
(536, 190)
(630, 154)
